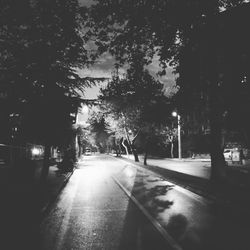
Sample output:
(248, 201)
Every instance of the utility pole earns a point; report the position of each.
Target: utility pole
(179, 135)
(175, 114)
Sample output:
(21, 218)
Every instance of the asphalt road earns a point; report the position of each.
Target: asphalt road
(93, 212)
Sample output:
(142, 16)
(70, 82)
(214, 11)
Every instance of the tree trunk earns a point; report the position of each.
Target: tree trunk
(217, 158)
(147, 145)
(216, 103)
(46, 163)
(134, 153)
(123, 144)
(117, 149)
(145, 157)
(132, 146)
(172, 149)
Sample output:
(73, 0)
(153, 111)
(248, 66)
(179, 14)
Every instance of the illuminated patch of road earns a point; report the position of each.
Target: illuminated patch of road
(176, 212)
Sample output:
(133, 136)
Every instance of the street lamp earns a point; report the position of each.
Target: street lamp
(175, 114)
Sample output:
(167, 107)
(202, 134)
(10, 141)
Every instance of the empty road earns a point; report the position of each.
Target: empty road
(93, 212)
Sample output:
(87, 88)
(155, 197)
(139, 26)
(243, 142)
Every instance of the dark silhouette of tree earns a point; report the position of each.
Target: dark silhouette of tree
(177, 31)
(100, 129)
(84, 138)
(42, 44)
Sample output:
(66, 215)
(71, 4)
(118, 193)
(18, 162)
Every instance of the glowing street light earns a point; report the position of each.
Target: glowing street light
(35, 151)
(175, 114)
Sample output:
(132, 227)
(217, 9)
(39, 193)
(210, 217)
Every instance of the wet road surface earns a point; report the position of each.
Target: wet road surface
(93, 212)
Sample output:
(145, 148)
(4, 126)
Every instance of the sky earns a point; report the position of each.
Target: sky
(86, 3)
(105, 66)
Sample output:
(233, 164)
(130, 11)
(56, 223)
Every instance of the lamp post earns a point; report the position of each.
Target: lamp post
(175, 114)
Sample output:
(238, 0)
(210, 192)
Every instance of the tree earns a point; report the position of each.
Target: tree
(83, 138)
(171, 138)
(172, 30)
(116, 130)
(100, 128)
(42, 44)
(138, 102)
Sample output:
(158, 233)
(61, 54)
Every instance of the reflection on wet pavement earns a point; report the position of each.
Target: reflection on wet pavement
(188, 219)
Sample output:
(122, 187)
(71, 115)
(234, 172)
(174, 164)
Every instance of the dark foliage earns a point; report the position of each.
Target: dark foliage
(189, 35)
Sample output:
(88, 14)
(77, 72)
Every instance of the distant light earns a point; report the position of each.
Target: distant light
(85, 109)
(35, 151)
(174, 113)
(244, 80)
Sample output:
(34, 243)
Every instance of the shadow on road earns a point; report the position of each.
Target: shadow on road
(139, 233)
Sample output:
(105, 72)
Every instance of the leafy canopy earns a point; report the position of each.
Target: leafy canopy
(42, 45)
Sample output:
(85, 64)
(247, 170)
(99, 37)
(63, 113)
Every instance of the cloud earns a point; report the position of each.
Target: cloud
(168, 80)
(86, 3)
(92, 92)
(105, 63)
(104, 67)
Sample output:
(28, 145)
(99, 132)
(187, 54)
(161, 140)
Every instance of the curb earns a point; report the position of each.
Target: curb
(189, 160)
(199, 185)
(194, 184)
(203, 190)
(174, 159)
(46, 208)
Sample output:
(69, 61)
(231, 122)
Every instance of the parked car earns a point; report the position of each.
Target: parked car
(87, 151)
(228, 154)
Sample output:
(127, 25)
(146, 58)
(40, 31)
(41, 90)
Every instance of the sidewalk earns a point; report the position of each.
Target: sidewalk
(196, 162)
(54, 184)
(195, 167)
(194, 176)
(24, 203)
(15, 182)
